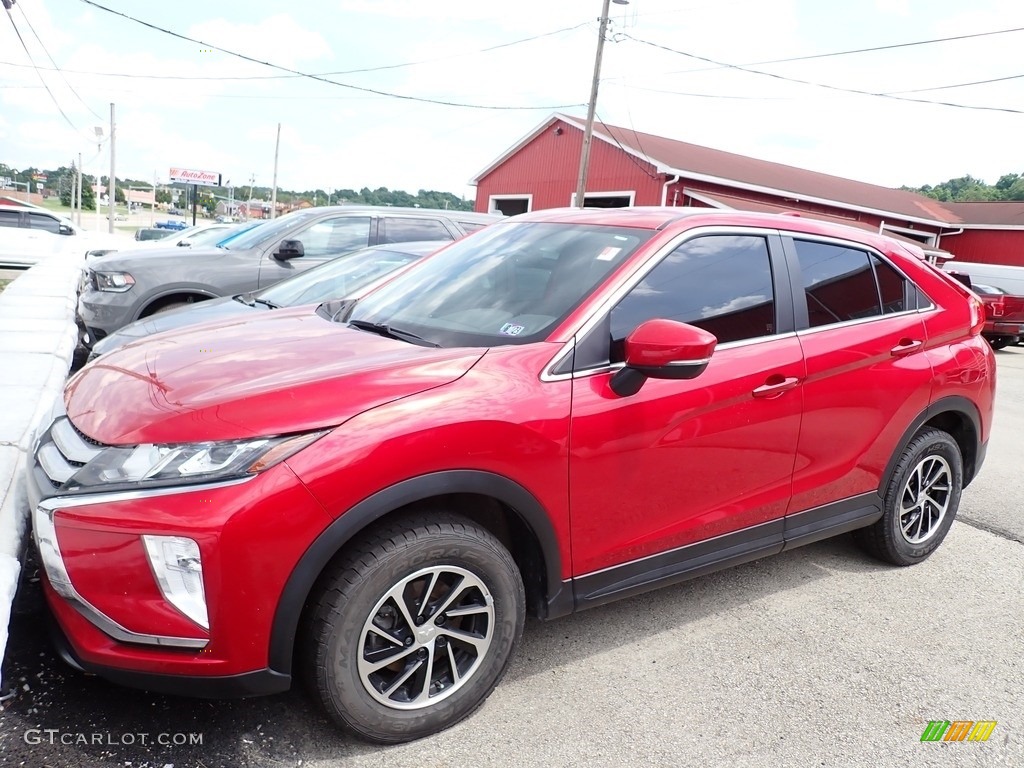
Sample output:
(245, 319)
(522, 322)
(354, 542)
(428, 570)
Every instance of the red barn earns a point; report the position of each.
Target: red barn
(632, 168)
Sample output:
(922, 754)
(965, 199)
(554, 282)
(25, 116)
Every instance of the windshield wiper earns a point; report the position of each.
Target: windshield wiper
(265, 303)
(245, 298)
(383, 329)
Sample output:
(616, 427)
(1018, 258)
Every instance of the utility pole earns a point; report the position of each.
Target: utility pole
(588, 131)
(273, 195)
(248, 211)
(78, 192)
(112, 186)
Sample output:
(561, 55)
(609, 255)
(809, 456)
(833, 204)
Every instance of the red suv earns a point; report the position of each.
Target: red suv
(561, 410)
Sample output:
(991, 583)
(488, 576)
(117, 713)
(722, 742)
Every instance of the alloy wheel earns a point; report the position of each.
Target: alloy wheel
(426, 637)
(925, 499)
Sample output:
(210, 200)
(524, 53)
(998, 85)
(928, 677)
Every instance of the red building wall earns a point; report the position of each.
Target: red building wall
(547, 168)
(987, 246)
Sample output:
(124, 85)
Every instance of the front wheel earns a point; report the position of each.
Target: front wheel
(920, 502)
(414, 627)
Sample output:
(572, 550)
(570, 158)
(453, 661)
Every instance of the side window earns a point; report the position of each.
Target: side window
(898, 294)
(838, 282)
(721, 283)
(408, 230)
(471, 226)
(333, 237)
(42, 221)
(9, 218)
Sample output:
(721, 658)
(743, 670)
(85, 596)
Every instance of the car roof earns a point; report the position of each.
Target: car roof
(661, 217)
(392, 209)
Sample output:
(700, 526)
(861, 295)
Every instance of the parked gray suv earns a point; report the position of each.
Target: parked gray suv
(127, 285)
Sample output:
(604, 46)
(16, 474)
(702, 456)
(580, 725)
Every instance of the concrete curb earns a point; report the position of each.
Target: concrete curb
(37, 342)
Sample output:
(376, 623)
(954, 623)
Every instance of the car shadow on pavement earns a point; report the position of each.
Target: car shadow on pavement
(55, 716)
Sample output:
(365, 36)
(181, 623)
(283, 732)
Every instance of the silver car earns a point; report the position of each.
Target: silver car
(125, 286)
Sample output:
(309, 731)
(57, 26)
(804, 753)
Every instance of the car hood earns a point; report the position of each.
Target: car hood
(275, 373)
(201, 312)
(124, 259)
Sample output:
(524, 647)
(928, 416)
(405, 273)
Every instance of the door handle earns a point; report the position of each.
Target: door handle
(906, 347)
(775, 386)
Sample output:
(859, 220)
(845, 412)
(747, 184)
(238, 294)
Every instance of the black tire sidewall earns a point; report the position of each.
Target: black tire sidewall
(931, 443)
(341, 686)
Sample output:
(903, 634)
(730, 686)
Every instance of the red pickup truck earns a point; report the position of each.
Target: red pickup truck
(1004, 316)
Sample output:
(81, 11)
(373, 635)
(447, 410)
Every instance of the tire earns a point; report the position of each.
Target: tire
(461, 565)
(1001, 343)
(169, 307)
(911, 528)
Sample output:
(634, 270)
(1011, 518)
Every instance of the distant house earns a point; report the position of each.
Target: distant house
(632, 168)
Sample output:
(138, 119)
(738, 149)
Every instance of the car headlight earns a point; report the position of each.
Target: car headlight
(115, 282)
(152, 465)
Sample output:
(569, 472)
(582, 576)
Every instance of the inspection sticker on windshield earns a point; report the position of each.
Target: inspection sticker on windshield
(608, 253)
(510, 329)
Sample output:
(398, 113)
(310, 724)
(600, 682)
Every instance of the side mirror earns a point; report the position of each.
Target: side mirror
(290, 249)
(663, 349)
(64, 229)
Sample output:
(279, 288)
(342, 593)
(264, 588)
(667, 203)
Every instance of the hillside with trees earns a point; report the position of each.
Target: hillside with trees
(969, 189)
(60, 182)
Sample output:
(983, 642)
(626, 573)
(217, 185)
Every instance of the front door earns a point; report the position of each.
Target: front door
(683, 462)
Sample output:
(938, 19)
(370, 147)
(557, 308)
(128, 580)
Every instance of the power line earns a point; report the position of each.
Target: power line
(741, 68)
(244, 57)
(960, 85)
(872, 49)
(235, 78)
(628, 154)
(56, 68)
(38, 73)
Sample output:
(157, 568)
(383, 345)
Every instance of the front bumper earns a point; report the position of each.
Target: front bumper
(115, 622)
(102, 312)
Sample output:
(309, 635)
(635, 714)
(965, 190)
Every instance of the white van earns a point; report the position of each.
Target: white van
(1009, 279)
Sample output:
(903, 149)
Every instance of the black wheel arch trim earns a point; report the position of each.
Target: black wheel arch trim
(179, 291)
(557, 594)
(953, 404)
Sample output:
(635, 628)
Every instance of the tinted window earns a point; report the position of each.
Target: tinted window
(333, 237)
(893, 287)
(721, 283)
(838, 282)
(44, 222)
(410, 230)
(471, 226)
(9, 218)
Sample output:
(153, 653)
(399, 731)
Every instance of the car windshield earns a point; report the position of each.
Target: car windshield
(510, 283)
(207, 236)
(341, 276)
(980, 288)
(272, 230)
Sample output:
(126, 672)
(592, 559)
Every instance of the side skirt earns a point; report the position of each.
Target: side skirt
(703, 557)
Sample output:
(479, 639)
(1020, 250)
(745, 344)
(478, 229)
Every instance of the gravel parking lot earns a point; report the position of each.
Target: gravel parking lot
(817, 657)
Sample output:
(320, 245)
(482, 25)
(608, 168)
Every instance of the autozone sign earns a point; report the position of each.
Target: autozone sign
(205, 178)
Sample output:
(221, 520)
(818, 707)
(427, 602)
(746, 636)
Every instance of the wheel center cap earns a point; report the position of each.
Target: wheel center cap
(425, 633)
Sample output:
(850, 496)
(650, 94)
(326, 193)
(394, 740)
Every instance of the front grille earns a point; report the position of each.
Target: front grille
(64, 450)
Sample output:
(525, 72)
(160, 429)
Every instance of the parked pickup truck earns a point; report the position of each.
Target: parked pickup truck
(171, 224)
(1004, 312)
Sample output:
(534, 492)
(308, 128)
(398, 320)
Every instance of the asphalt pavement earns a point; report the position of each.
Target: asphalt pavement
(817, 657)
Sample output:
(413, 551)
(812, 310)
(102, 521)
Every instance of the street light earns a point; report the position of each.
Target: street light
(588, 131)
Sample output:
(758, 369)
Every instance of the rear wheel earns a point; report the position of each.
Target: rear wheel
(414, 628)
(920, 502)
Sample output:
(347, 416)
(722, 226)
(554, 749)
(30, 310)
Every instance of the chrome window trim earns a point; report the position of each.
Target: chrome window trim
(858, 321)
(853, 244)
(633, 279)
(48, 507)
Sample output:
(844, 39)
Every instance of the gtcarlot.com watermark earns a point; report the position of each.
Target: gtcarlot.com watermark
(108, 739)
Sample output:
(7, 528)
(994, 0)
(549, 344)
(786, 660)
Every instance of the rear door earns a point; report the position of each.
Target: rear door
(863, 337)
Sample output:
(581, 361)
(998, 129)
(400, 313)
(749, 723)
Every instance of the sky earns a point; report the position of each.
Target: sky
(179, 103)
